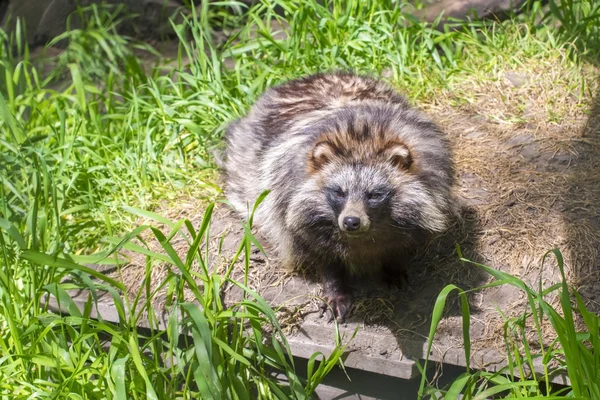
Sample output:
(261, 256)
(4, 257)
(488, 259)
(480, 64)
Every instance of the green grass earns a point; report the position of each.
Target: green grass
(97, 131)
(574, 353)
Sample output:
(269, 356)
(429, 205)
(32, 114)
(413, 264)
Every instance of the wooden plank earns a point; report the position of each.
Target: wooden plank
(378, 353)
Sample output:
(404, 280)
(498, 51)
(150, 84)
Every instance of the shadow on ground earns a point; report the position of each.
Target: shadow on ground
(407, 311)
(581, 210)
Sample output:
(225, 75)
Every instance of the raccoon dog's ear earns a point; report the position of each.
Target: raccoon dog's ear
(321, 155)
(399, 155)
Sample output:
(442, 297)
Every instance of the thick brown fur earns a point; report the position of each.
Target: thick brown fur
(357, 177)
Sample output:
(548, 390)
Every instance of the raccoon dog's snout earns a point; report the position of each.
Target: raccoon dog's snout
(354, 219)
(351, 224)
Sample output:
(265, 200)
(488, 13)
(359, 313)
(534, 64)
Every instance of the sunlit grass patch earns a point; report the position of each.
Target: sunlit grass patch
(531, 361)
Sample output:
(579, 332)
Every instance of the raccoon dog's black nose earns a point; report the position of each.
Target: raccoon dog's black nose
(351, 223)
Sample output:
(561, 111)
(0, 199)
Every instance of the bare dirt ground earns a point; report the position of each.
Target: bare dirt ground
(527, 184)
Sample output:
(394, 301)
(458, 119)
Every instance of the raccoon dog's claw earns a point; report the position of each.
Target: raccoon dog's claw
(335, 305)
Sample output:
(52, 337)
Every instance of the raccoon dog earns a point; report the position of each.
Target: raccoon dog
(357, 177)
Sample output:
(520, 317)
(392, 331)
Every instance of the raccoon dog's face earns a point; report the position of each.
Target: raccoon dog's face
(360, 190)
(359, 196)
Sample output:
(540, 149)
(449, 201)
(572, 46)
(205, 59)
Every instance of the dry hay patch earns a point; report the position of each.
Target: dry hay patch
(532, 173)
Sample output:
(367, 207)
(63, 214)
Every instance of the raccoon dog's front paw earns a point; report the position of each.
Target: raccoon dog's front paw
(335, 304)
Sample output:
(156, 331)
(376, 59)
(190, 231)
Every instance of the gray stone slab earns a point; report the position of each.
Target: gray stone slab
(462, 9)
(311, 339)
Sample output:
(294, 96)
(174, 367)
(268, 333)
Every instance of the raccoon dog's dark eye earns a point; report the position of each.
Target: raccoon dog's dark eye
(338, 192)
(375, 196)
